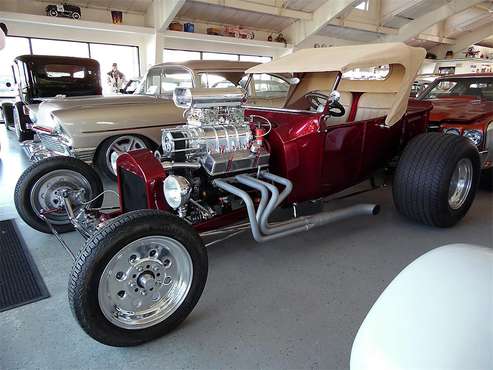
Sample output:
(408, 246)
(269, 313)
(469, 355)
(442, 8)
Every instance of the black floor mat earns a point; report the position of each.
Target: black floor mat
(20, 281)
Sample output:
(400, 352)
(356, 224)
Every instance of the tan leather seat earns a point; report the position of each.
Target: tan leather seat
(373, 105)
(346, 101)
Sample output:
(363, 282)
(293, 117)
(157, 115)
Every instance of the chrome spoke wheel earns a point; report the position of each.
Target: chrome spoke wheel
(121, 145)
(47, 194)
(460, 183)
(145, 282)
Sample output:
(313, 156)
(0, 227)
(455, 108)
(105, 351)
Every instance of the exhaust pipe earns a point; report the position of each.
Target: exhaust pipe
(270, 199)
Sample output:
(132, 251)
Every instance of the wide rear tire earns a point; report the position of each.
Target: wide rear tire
(436, 179)
(39, 184)
(137, 278)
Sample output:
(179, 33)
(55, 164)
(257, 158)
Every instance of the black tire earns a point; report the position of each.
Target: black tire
(100, 156)
(53, 13)
(23, 189)
(487, 179)
(422, 178)
(8, 115)
(76, 15)
(20, 122)
(106, 243)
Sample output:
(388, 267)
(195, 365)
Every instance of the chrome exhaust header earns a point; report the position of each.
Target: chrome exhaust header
(270, 199)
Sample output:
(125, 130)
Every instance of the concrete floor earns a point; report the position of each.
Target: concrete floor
(294, 303)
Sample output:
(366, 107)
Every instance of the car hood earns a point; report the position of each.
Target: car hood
(50, 108)
(460, 110)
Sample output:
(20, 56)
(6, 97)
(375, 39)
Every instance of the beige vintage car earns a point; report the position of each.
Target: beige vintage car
(97, 129)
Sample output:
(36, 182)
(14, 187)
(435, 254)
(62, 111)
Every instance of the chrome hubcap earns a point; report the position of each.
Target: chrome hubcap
(460, 183)
(47, 194)
(145, 282)
(121, 145)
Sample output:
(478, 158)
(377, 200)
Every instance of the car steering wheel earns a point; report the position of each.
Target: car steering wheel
(317, 99)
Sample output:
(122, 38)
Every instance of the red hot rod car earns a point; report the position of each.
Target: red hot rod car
(463, 105)
(144, 266)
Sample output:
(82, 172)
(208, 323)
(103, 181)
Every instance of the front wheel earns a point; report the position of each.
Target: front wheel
(20, 123)
(137, 278)
(39, 192)
(436, 179)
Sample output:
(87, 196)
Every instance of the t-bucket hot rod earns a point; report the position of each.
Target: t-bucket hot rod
(144, 266)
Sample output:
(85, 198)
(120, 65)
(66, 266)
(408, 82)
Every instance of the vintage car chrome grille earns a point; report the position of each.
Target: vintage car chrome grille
(53, 144)
(132, 191)
(86, 155)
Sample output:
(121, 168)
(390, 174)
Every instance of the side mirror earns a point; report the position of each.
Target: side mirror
(294, 81)
(335, 96)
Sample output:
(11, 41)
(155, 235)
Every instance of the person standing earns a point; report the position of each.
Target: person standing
(116, 79)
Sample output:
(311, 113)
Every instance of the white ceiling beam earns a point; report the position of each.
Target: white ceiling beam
(164, 12)
(302, 29)
(400, 7)
(471, 38)
(420, 24)
(360, 26)
(259, 8)
(434, 38)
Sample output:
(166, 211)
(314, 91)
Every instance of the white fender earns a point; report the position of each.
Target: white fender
(2, 40)
(436, 314)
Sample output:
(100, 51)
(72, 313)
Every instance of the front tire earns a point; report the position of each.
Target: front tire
(40, 186)
(112, 147)
(137, 278)
(20, 123)
(436, 179)
(8, 115)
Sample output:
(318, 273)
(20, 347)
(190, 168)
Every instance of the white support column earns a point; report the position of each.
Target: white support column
(424, 22)
(302, 29)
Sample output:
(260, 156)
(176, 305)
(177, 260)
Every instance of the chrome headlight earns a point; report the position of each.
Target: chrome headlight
(451, 131)
(176, 191)
(476, 136)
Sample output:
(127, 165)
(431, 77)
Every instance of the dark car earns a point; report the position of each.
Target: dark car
(63, 10)
(39, 77)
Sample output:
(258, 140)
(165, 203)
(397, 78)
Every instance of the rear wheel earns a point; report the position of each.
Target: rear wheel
(39, 191)
(436, 179)
(137, 278)
(111, 148)
(53, 13)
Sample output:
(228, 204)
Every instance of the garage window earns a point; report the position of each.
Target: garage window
(14, 47)
(175, 56)
(61, 48)
(219, 56)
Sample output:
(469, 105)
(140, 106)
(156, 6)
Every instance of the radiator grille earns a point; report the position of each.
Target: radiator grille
(51, 143)
(85, 155)
(132, 192)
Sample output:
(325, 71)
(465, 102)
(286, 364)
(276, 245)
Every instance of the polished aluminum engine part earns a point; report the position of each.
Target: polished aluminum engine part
(188, 142)
(236, 161)
(207, 98)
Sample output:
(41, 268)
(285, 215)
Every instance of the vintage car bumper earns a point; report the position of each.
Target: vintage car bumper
(47, 145)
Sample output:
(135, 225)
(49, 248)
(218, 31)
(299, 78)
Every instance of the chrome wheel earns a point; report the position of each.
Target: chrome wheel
(145, 282)
(460, 183)
(47, 194)
(122, 144)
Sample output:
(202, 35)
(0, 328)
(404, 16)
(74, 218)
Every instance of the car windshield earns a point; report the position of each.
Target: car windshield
(478, 87)
(67, 79)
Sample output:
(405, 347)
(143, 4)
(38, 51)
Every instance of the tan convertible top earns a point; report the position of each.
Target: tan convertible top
(345, 58)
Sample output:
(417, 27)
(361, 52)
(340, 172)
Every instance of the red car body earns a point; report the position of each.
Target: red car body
(464, 113)
(320, 160)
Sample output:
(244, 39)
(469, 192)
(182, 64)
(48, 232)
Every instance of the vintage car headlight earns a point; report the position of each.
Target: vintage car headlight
(176, 191)
(475, 136)
(451, 131)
